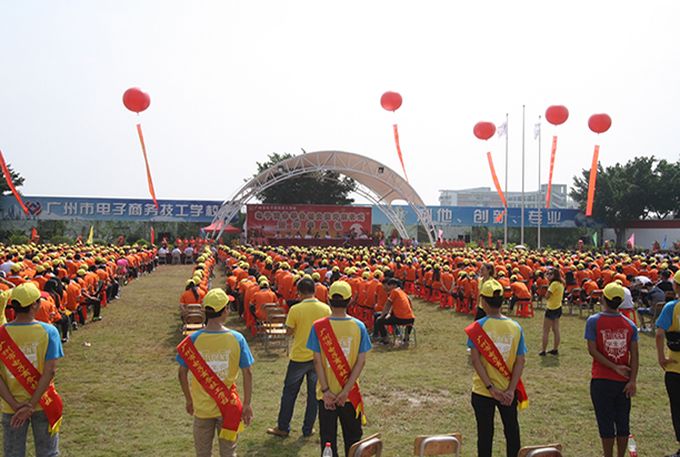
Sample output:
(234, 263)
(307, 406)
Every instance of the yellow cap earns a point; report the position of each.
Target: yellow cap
(216, 299)
(676, 278)
(26, 294)
(490, 287)
(613, 290)
(340, 288)
(16, 267)
(316, 276)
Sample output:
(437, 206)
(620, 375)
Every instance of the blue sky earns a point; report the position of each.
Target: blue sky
(231, 82)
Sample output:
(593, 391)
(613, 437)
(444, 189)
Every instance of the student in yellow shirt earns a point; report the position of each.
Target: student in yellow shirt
(225, 351)
(339, 399)
(553, 311)
(490, 389)
(300, 319)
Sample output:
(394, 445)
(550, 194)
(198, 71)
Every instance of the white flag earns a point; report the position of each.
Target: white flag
(502, 129)
(537, 130)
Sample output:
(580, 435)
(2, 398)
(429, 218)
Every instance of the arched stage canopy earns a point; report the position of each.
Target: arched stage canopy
(378, 183)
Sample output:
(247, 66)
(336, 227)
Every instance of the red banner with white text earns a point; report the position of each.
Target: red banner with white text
(309, 221)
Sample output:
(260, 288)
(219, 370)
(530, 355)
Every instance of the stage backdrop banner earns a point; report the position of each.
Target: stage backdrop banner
(288, 221)
(109, 209)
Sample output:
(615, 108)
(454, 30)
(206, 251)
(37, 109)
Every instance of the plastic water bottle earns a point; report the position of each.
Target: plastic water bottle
(328, 451)
(632, 446)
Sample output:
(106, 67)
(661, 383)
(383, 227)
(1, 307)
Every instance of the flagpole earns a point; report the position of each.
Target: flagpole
(538, 194)
(521, 235)
(505, 219)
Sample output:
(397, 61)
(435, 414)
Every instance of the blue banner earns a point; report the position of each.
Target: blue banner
(470, 216)
(107, 209)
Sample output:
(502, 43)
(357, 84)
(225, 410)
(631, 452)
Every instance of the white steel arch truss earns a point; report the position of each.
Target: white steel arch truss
(378, 183)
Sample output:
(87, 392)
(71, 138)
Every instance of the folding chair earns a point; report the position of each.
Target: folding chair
(540, 296)
(438, 445)
(549, 450)
(404, 335)
(524, 308)
(575, 301)
(368, 447)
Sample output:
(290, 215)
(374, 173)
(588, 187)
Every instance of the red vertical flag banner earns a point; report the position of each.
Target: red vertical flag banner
(592, 181)
(550, 175)
(34, 235)
(153, 236)
(146, 162)
(497, 184)
(401, 157)
(10, 184)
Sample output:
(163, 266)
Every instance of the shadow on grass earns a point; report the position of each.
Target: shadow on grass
(550, 361)
(279, 446)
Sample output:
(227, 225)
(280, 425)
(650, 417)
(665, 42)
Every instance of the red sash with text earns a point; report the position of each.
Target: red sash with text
(491, 354)
(29, 376)
(338, 362)
(226, 398)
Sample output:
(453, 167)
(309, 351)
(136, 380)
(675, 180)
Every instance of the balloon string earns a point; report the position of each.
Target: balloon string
(497, 184)
(10, 184)
(550, 175)
(401, 157)
(148, 170)
(592, 181)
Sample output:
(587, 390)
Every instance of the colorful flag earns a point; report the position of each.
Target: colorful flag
(595, 238)
(440, 235)
(537, 130)
(664, 243)
(631, 241)
(401, 157)
(90, 237)
(10, 184)
(34, 235)
(153, 235)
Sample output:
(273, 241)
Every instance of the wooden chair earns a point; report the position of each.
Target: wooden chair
(274, 329)
(399, 336)
(425, 445)
(549, 450)
(540, 296)
(194, 319)
(367, 447)
(574, 301)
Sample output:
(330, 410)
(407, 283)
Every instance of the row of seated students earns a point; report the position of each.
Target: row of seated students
(74, 281)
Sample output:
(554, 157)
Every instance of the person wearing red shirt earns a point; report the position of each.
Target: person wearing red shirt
(613, 345)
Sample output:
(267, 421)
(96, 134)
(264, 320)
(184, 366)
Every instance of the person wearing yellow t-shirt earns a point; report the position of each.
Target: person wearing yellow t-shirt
(351, 336)
(299, 321)
(553, 312)
(225, 351)
(668, 334)
(490, 389)
(41, 345)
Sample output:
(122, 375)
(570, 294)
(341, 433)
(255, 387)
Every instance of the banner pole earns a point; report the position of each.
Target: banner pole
(505, 219)
(539, 200)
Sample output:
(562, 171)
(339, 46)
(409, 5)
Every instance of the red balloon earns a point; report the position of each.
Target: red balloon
(484, 130)
(391, 101)
(557, 114)
(136, 100)
(599, 123)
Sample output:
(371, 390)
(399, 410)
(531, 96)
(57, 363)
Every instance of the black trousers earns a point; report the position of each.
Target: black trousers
(96, 307)
(328, 427)
(380, 323)
(612, 407)
(485, 410)
(673, 388)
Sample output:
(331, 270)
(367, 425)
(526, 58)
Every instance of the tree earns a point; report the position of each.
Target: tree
(17, 180)
(629, 192)
(323, 188)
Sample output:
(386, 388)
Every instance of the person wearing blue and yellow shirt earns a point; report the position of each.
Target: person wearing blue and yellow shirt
(225, 351)
(335, 397)
(41, 345)
(490, 389)
(668, 334)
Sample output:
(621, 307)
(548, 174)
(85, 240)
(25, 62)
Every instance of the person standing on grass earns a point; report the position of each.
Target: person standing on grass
(28, 363)
(613, 345)
(553, 311)
(497, 352)
(668, 332)
(214, 356)
(300, 319)
(339, 344)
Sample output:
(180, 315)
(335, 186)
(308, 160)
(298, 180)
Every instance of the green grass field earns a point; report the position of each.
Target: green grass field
(122, 397)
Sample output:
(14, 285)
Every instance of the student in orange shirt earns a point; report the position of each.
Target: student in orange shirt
(520, 292)
(397, 310)
(58, 314)
(260, 298)
(321, 291)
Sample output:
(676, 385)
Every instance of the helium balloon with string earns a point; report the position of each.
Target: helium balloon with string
(556, 115)
(137, 101)
(484, 131)
(598, 123)
(391, 101)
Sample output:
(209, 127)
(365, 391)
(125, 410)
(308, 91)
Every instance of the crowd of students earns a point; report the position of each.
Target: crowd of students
(46, 292)
(373, 285)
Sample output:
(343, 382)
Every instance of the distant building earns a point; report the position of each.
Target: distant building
(485, 196)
